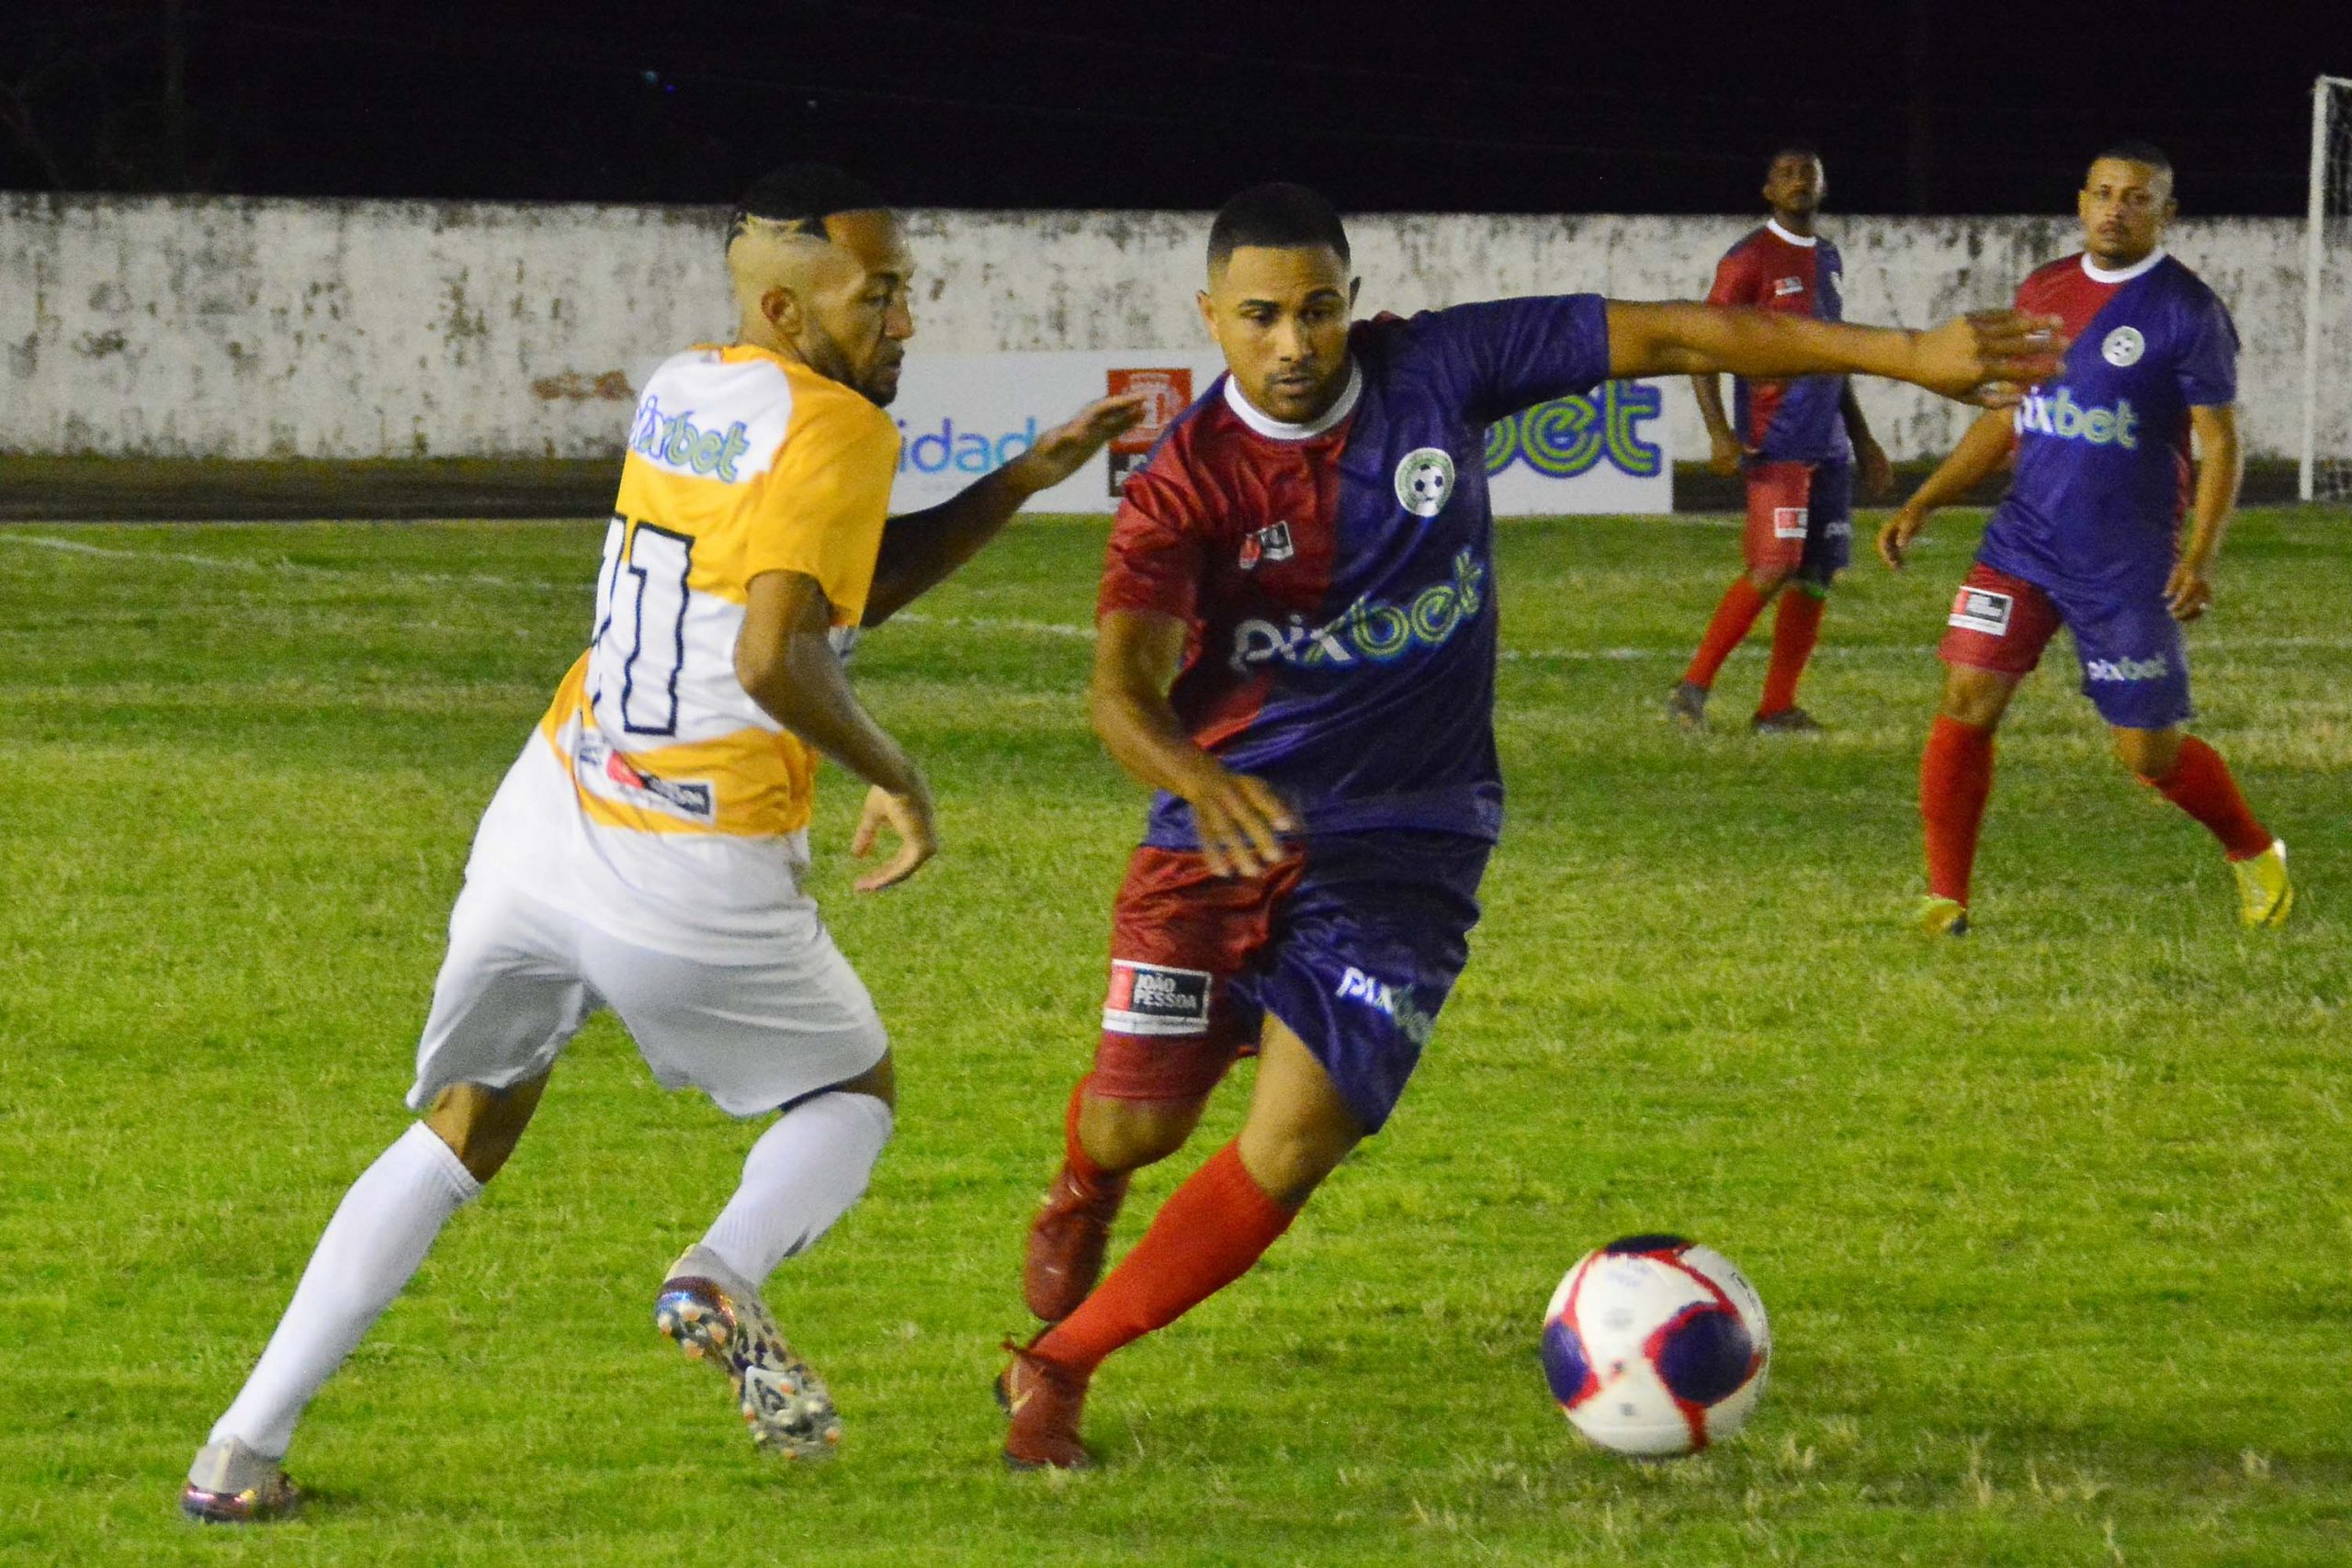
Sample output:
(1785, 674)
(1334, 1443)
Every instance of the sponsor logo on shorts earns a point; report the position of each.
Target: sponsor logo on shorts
(1268, 545)
(1396, 1001)
(1783, 287)
(2127, 670)
(1983, 610)
(1789, 522)
(1369, 629)
(605, 772)
(1153, 998)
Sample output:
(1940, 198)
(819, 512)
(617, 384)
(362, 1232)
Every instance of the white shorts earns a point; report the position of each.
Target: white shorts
(522, 977)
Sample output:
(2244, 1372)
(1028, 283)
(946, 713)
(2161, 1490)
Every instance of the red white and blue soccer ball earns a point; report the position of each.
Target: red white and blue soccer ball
(1654, 1345)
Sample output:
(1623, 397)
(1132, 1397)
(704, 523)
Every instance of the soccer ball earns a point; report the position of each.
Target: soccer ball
(1654, 1345)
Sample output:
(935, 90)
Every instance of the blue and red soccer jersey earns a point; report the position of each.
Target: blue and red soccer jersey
(1799, 420)
(1336, 581)
(2089, 531)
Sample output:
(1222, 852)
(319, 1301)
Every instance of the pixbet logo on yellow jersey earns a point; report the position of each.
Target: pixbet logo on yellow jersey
(675, 442)
(2064, 418)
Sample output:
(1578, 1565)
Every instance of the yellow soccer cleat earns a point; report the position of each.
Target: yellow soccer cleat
(1941, 916)
(2265, 892)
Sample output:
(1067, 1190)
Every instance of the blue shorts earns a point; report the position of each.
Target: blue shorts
(2135, 664)
(1353, 942)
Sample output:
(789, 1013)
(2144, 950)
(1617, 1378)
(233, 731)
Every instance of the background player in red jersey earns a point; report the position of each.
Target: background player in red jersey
(2088, 536)
(1797, 443)
(1297, 649)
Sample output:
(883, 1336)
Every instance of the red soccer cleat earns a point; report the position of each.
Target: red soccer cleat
(1066, 1242)
(1044, 1399)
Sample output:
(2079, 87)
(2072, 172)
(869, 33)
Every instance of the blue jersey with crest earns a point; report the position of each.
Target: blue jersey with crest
(2102, 453)
(1336, 578)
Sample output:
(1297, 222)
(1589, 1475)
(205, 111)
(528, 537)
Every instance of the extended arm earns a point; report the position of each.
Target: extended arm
(1877, 473)
(2220, 465)
(1136, 656)
(786, 662)
(1981, 454)
(920, 549)
(1983, 357)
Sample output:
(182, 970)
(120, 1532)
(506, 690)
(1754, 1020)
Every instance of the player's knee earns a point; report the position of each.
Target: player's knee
(1122, 1134)
(1768, 579)
(1975, 697)
(481, 1126)
(2149, 753)
(881, 1081)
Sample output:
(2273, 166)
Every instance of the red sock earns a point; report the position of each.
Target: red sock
(1955, 781)
(1082, 1165)
(1741, 604)
(1205, 1237)
(2200, 785)
(1796, 626)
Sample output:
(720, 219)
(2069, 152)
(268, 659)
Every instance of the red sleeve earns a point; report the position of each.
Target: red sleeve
(1156, 555)
(1736, 278)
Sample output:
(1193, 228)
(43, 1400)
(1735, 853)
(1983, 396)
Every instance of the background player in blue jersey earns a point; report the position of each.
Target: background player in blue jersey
(1797, 444)
(2088, 536)
(1297, 649)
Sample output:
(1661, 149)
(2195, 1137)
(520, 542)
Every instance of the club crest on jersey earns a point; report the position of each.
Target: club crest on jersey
(1153, 998)
(1982, 610)
(2123, 347)
(1268, 545)
(1425, 481)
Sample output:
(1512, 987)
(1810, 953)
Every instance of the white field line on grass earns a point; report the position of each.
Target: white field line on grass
(1045, 628)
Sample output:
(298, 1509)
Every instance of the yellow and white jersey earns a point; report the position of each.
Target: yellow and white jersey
(662, 804)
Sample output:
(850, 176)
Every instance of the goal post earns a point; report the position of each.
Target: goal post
(2324, 472)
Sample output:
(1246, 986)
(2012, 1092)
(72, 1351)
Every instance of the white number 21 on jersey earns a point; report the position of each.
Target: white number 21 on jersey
(642, 607)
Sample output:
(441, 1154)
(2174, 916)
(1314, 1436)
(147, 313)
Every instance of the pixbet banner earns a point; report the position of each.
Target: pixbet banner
(964, 415)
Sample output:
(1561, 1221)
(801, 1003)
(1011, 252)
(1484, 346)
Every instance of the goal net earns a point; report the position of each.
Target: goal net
(2326, 473)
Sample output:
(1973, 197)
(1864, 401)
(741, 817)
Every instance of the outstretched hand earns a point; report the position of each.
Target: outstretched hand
(1063, 450)
(1989, 357)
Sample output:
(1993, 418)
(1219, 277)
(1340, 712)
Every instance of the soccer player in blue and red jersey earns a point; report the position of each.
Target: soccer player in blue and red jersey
(1797, 444)
(2088, 536)
(1296, 647)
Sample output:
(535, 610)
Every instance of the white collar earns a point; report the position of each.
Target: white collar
(1802, 242)
(2098, 274)
(1267, 425)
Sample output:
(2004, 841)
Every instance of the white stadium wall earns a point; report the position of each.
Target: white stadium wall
(245, 328)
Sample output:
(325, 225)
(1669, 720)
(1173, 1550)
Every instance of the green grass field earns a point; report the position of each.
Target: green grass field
(2053, 1224)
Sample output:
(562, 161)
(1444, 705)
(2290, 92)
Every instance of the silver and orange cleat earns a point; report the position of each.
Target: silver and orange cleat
(715, 1315)
(231, 1484)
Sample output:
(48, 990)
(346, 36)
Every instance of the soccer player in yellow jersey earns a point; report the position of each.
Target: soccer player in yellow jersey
(645, 851)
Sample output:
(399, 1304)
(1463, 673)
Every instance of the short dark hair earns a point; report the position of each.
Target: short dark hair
(800, 197)
(1280, 216)
(1793, 147)
(2132, 150)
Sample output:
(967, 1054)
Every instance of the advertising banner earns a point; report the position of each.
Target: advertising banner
(963, 415)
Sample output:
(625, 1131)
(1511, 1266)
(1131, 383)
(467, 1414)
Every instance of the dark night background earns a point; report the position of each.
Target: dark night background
(1625, 107)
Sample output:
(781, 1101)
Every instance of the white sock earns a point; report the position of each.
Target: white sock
(380, 1233)
(801, 1175)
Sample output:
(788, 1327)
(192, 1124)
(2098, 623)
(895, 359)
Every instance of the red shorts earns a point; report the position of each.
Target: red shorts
(1778, 498)
(1170, 1029)
(1998, 623)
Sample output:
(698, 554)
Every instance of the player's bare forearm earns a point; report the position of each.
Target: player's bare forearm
(1850, 410)
(1240, 819)
(1709, 390)
(786, 662)
(1983, 357)
(921, 550)
(1982, 452)
(2220, 470)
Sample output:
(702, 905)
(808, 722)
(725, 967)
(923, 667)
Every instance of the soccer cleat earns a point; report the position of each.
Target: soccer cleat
(713, 1315)
(231, 1484)
(1687, 705)
(1044, 1399)
(1942, 916)
(1788, 721)
(2264, 894)
(1067, 1241)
